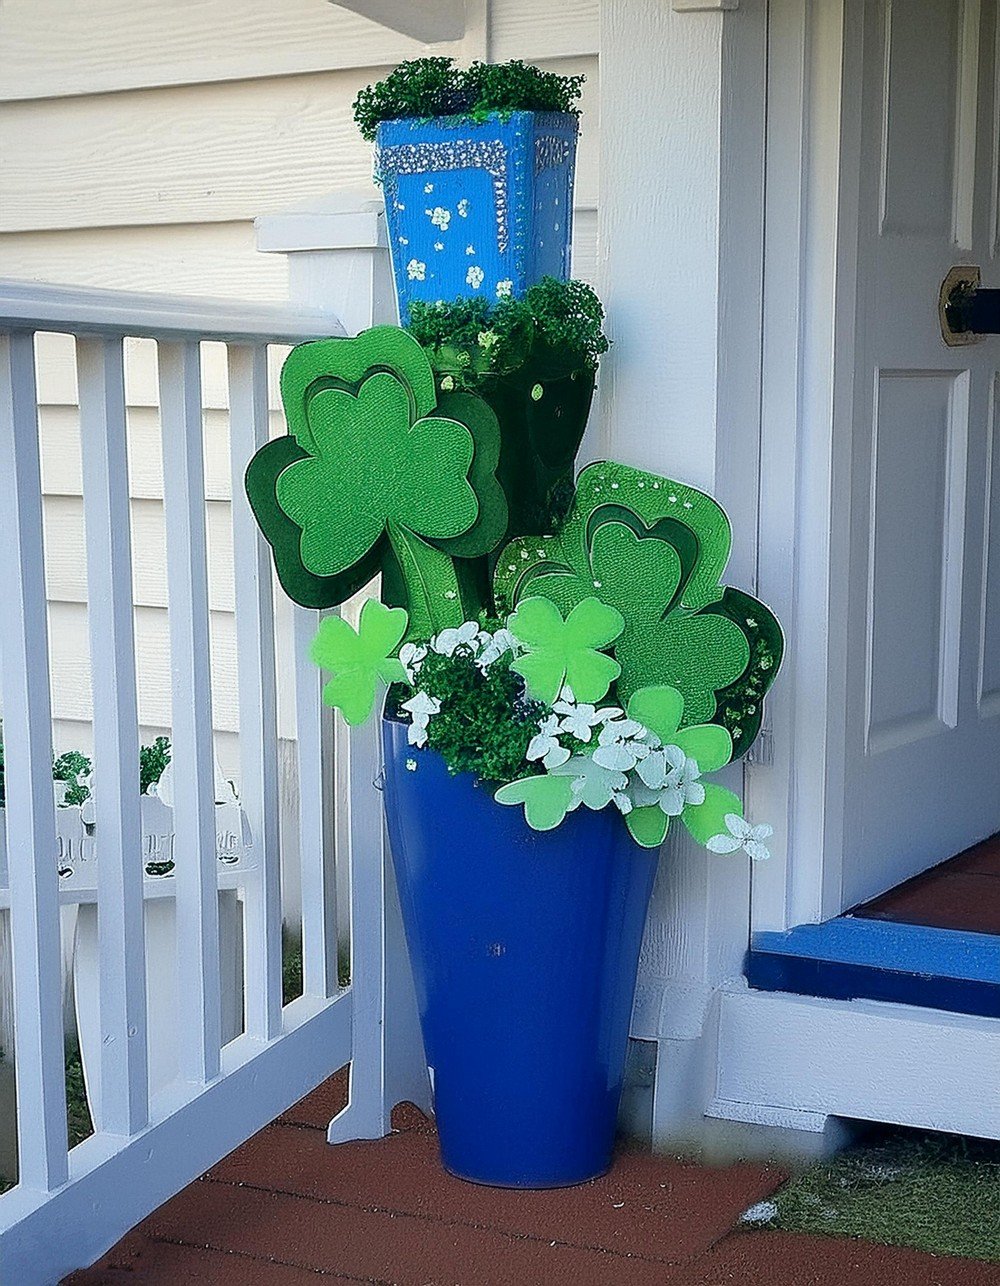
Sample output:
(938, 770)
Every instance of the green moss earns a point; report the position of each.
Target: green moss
(430, 87)
(935, 1192)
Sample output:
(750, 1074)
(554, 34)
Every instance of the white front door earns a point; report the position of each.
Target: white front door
(922, 581)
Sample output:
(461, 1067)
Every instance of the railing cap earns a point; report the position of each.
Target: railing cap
(337, 221)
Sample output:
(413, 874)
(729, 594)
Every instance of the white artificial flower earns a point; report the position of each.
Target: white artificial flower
(505, 288)
(653, 769)
(420, 708)
(622, 803)
(593, 784)
(463, 207)
(619, 745)
(682, 786)
(577, 720)
(440, 217)
(742, 836)
(416, 270)
(474, 277)
(494, 646)
(411, 658)
(448, 641)
(544, 745)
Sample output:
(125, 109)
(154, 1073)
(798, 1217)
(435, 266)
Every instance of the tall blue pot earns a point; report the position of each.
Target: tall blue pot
(524, 948)
(477, 208)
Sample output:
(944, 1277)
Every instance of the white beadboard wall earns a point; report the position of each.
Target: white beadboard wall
(138, 141)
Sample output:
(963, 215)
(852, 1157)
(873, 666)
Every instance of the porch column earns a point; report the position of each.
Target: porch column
(680, 252)
(338, 260)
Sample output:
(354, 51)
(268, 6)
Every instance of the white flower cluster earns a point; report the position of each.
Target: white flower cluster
(628, 765)
(470, 639)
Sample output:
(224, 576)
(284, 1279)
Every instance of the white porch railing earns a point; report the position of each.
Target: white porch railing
(69, 1206)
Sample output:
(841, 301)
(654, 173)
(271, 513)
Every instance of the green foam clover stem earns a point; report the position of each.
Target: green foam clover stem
(566, 651)
(376, 475)
(360, 660)
(655, 550)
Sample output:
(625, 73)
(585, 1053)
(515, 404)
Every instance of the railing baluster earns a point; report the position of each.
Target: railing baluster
(199, 1026)
(124, 1105)
(31, 829)
(248, 430)
(314, 733)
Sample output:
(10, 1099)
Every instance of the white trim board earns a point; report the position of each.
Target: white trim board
(794, 1061)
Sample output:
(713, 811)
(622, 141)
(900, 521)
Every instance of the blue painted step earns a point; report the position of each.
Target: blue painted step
(852, 958)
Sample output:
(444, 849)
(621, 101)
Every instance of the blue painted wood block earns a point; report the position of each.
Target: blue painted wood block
(477, 208)
(855, 958)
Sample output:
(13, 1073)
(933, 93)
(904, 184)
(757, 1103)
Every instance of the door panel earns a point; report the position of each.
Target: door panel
(923, 582)
(989, 685)
(913, 568)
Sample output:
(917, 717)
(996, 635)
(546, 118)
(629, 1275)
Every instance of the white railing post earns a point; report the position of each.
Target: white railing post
(31, 825)
(124, 1078)
(248, 430)
(338, 259)
(192, 754)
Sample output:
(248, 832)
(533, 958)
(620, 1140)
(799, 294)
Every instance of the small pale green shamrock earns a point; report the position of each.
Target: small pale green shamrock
(661, 710)
(546, 799)
(566, 651)
(594, 785)
(360, 659)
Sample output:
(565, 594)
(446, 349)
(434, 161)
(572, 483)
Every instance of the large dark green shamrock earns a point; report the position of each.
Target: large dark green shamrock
(656, 550)
(377, 474)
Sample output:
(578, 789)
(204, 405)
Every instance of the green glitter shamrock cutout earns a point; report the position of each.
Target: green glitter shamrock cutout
(656, 550)
(359, 660)
(661, 710)
(566, 651)
(378, 474)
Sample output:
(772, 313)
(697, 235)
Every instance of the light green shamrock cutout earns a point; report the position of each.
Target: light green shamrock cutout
(371, 469)
(546, 799)
(566, 651)
(359, 660)
(661, 710)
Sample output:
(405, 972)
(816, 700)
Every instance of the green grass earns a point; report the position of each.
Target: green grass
(935, 1192)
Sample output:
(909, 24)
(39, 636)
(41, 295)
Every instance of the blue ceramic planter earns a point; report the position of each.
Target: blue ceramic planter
(477, 208)
(524, 947)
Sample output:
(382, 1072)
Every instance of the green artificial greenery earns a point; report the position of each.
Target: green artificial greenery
(470, 340)
(429, 87)
(152, 761)
(70, 768)
(485, 722)
(74, 765)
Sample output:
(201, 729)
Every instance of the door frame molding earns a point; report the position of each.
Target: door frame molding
(807, 396)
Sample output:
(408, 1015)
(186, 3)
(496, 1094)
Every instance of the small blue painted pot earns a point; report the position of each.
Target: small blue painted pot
(524, 947)
(477, 208)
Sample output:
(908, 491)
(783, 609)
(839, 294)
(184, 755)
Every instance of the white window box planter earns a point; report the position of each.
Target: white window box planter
(77, 858)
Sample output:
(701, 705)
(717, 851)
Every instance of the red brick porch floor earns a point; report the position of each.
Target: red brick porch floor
(286, 1209)
(961, 893)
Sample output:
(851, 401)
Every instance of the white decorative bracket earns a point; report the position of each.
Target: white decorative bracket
(429, 21)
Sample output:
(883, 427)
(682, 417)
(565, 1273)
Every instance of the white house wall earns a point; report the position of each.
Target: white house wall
(138, 141)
